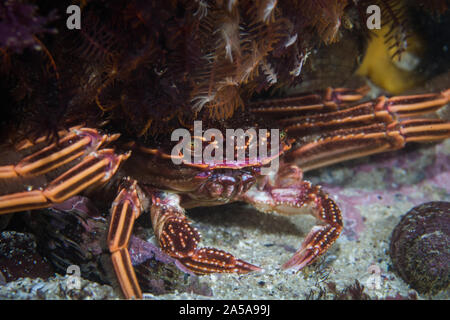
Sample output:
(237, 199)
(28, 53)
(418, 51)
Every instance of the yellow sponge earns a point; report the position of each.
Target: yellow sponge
(392, 74)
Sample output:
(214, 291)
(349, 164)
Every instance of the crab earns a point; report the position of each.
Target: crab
(318, 129)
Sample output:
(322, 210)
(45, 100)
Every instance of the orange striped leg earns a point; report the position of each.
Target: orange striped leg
(376, 126)
(125, 209)
(178, 239)
(96, 168)
(289, 195)
(380, 110)
(345, 144)
(72, 145)
(328, 100)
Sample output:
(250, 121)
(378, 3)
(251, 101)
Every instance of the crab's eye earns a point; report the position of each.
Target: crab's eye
(282, 135)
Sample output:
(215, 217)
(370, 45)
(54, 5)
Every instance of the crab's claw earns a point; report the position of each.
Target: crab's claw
(211, 260)
(179, 239)
(287, 194)
(320, 238)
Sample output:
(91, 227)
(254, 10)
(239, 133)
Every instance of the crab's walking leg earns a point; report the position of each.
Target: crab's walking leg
(289, 195)
(72, 145)
(380, 110)
(328, 100)
(346, 144)
(373, 127)
(178, 239)
(97, 167)
(125, 209)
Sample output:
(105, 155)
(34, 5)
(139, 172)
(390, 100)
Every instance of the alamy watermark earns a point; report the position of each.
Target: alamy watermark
(241, 147)
(73, 22)
(374, 20)
(373, 282)
(73, 281)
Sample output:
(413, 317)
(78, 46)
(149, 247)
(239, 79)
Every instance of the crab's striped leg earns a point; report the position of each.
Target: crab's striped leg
(178, 239)
(368, 128)
(126, 208)
(289, 195)
(346, 144)
(96, 168)
(382, 109)
(328, 100)
(72, 145)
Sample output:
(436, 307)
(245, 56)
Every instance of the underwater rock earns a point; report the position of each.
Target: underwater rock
(19, 258)
(71, 233)
(420, 247)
